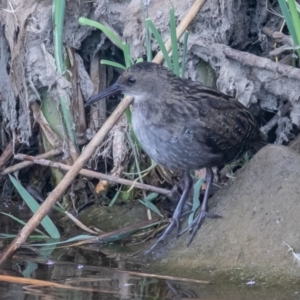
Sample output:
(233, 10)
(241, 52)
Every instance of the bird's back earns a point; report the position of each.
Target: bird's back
(228, 126)
(190, 126)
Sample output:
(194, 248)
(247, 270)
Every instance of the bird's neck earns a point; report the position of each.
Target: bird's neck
(147, 108)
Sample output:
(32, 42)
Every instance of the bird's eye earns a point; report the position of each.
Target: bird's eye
(131, 80)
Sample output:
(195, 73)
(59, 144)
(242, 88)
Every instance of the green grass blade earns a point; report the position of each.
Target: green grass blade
(147, 202)
(137, 163)
(7, 235)
(147, 31)
(29, 269)
(139, 60)
(34, 206)
(297, 5)
(185, 39)
(77, 238)
(288, 19)
(148, 42)
(293, 48)
(46, 251)
(151, 197)
(113, 200)
(160, 43)
(23, 223)
(196, 202)
(109, 33)
(127, 57)
(58, 20)
(112, 63)
(174, 42)
(296, 20)
(151, 206)
(12, 236)
(153, 165)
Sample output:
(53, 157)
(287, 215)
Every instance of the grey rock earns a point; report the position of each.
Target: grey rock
(261, 210)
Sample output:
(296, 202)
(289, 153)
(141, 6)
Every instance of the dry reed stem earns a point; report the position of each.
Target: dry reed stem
(25, 164)
(92, 174)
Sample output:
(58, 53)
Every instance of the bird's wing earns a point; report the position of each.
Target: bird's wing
(222, 123)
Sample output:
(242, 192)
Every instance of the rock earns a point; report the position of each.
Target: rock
(295, 144)
(260, 210)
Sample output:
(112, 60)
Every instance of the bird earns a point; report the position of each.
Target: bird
(184, 125)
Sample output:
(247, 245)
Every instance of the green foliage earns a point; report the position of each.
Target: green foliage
(114, 199)
(149, 27)
(135, 153)
(34, 206)
(244, 160)
(174, 42)
(148, 203)
(43, 235)
(77, 238)
(291, 16)
(59, 7)
(114, 39)
(196, 202)
(112, 63)
(58, 20)
(160, 43)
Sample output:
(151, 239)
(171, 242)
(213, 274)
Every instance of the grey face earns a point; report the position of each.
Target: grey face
(138, 81)
(137, 84)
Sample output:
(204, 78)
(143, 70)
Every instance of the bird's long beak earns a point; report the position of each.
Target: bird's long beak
(112, 90)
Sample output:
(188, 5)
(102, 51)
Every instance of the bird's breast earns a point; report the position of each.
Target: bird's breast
(172, 145)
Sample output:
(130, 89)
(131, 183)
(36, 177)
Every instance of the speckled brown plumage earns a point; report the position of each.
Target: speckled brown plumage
(185, 125)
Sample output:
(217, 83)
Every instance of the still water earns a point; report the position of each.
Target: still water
(106, 274)
(114, 272)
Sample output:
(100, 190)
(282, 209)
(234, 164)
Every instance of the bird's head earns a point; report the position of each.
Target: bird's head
(139, 81)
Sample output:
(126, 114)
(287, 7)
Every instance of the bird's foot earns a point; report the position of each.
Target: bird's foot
(177, 213)
(174, 223)
(197, 224)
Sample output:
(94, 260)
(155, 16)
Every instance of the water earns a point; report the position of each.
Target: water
(114, 272)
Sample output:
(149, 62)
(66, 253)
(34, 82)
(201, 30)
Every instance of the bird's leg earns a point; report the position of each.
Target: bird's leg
(203, 209)
(177, 213)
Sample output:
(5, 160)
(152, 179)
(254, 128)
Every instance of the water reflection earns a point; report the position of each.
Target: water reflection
(114, 272)
(78, 274)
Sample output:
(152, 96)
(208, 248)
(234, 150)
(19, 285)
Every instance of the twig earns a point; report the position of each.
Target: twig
(278, 36)
(8, 152)
(120, 231)
(262, 63)
(266, 128)
(25, 164)
(282, 111)
(93, 174)
(87, 153)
